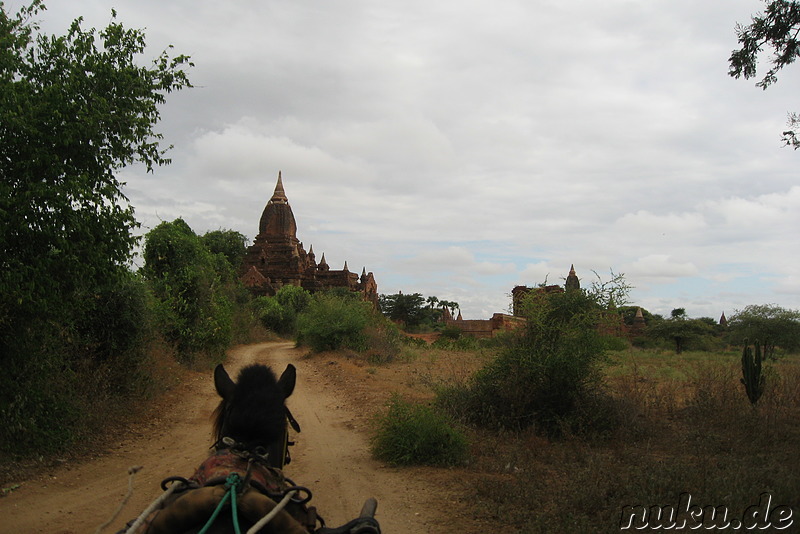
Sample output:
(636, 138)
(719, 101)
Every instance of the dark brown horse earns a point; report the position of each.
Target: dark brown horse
(252, 415)
(242, 481)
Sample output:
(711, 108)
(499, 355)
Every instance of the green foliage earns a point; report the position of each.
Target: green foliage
(462, 343)
(71, 115)
(451, 332)
(190, 283)
(229, 243)
(279, 313)
(681, 330)
(752, 377)
(335, 320)
(770, 324)
(548, 377)
(74, 110)
(629, 314)
(411, 310)
(70, 369)
(611, 293)
(294, 298)
(408, 309)
(330, 322)
(777, 29)
(413, 434)
(615, 343)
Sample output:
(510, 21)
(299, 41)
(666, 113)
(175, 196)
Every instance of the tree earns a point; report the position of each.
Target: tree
(777, 28)
(769, 324)
(229, 243)
(679, 329)
(406, 308)
(609, 294)
(73, 112)
(190, 284)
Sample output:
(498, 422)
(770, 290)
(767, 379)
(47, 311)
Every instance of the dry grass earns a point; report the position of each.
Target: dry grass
(688, 427)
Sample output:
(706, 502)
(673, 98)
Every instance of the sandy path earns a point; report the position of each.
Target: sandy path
(331, 458)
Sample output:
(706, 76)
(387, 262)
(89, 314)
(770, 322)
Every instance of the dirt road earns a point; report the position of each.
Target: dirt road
(331, 457)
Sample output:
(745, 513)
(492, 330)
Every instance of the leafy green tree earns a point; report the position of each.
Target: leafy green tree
(680, 329)
(776, 29)
(190, 283)
(769, 324)
(611, 293)
(74, 110)
(229, 243)
(407, 308)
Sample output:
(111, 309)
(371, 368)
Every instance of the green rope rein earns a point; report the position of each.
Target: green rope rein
(232, 484)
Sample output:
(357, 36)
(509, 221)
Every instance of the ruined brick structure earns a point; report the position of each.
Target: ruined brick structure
(519, 292)
(277, 258)
(485, 328)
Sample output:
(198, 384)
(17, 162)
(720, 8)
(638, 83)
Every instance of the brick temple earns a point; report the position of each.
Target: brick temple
(277, 258)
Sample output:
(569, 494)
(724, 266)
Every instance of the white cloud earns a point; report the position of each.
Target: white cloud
(444, 145)
(661, 266)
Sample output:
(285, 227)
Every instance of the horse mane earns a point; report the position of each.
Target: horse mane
(255, 414)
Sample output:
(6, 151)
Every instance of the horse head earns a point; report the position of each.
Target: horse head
(252, 413)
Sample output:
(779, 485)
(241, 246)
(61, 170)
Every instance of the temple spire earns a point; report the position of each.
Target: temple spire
(279, 194)
(572, 280)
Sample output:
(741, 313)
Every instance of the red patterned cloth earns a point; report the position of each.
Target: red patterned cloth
(217, 467)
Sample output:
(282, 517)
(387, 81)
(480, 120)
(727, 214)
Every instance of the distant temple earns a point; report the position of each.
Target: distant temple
(277, 258)
(519, 292)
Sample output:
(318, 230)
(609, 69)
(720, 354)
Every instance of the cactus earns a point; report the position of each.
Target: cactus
(752, 377)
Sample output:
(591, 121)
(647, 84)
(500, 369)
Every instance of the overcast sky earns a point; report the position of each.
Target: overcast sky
(460, 148)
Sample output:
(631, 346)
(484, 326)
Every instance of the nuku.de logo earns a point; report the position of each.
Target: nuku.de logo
(685, 515)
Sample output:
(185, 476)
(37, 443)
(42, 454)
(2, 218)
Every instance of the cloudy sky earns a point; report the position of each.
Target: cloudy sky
(460, 148)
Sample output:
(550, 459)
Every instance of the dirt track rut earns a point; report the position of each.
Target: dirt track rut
(331, 457)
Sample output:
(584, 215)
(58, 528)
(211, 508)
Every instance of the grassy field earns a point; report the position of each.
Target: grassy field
(687, 428)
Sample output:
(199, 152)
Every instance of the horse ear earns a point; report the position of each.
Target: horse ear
(223, 382)
(287, 380)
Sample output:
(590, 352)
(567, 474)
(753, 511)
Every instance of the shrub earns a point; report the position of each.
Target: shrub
(195, 289)
(451, 332)
(548, 377)
(331, 322)
(416, 434)
(58, 375)
(273, 315)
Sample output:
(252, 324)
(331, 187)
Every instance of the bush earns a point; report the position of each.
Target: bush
(58, 376)
(410, 434)
(615, 343)
(549, 377)
(451, 332)
(195, 289)
(331, 322)
(279, 313)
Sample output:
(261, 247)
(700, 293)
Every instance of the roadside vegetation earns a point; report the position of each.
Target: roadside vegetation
(568, 421)
(75, 321)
